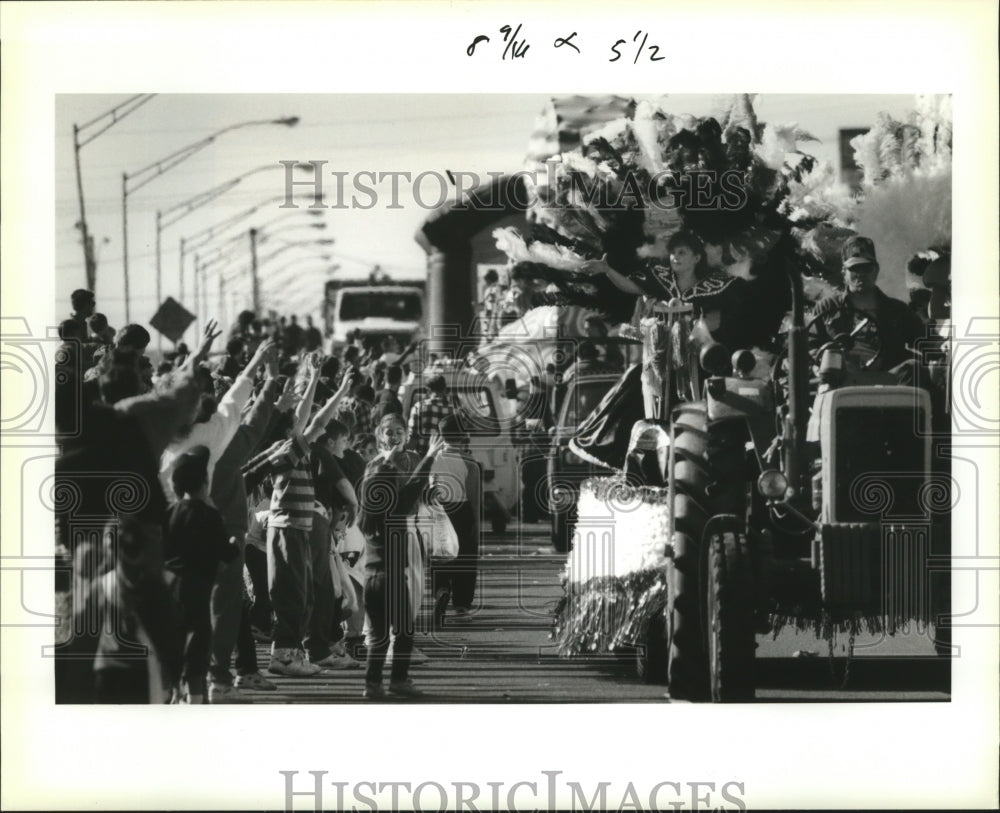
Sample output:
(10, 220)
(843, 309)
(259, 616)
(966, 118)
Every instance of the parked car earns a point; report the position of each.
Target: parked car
(566, 470)
(479, 402)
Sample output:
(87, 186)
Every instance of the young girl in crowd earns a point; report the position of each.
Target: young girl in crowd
(390, 491)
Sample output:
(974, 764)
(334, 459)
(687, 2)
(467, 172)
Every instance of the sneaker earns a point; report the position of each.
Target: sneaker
(339, 648)
(416, 657)
(254, 682)
(219, 693)
(462, 613)
(373, 691)
(291, 663)
(335, 661)
(404, 688)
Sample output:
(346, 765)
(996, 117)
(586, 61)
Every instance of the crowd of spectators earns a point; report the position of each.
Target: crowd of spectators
(224, 499)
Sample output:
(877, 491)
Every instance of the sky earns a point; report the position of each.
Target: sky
(480, 133)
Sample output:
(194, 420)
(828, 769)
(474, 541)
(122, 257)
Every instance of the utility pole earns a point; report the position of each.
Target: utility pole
(253, 271)
(83, 134)
(197, 301)
(159, 336)
(128, 319)
(222, 301)
(89, 265)
(181, 294)
(204, 292)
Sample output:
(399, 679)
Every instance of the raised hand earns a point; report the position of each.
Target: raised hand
(211, 331)
(273, 369)
(345, 386)
(288, 397)
(209, 335)
(265, 352)
(596, 266)
(436, 445)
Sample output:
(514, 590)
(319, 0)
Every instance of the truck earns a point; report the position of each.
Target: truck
(374, 304)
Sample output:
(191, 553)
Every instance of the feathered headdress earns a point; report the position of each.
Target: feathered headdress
(905, 205)
(640, 174)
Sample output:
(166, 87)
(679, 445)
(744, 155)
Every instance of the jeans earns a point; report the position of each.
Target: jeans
(356, 620)
(246, 646)
(196, 597)
(289, 582)
(260, 603)
(227, 611)
(458, 575)
(387, 603)
(322, 605)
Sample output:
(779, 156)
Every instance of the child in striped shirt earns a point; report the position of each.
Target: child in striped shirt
(289, 560)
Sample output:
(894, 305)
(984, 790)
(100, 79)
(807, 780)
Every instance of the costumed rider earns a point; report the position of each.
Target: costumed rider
(728, 307)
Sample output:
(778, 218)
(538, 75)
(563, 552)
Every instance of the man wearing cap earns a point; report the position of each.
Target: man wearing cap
(882, 327)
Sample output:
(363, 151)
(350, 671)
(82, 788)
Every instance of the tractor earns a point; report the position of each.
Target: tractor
(805, 492)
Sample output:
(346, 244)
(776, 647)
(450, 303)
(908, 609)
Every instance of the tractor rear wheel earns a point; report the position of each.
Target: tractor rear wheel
(731, 644)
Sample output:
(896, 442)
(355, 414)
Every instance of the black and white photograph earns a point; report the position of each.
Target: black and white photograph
(532, 421)
(589, 425)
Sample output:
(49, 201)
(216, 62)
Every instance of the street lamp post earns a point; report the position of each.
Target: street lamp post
(168, 217)
(257, 236)
(280, 290)
(197, 307)
(254, 280)
(90, 267)
(154, 170)
(206, 235)
(80, 140)
(128, 318)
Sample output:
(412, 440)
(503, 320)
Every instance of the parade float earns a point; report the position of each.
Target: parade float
(721, 514)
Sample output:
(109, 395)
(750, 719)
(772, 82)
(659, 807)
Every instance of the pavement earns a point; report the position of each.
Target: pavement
(502, 652)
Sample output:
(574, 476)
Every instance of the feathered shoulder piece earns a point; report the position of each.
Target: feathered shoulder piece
(558, 256)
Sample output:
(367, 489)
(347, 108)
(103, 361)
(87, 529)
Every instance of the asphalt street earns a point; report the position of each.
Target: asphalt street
(503, 653)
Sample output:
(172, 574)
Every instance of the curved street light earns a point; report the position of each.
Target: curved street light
(254, 265)
(83, 134)
(221, 253)
(265, 235)
(141, 177)
(202, 267)
(210, 234)
(323, 241)
(168, 217)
